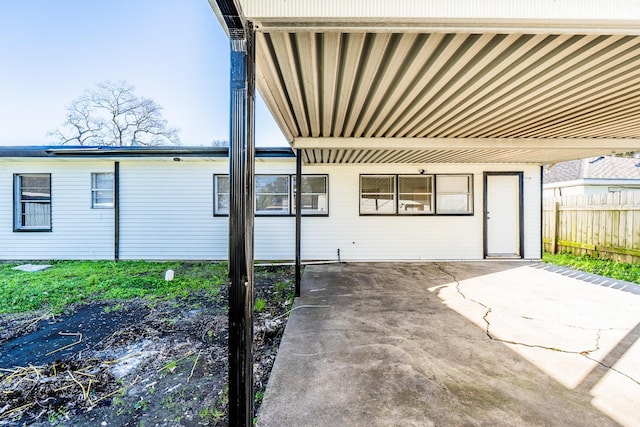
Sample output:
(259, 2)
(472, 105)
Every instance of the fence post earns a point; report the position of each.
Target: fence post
(555, 216)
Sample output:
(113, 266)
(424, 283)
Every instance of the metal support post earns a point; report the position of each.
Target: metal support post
(116, 211)
(298, 216)
(241, 173)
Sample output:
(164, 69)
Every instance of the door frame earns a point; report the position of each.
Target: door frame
(520, 176)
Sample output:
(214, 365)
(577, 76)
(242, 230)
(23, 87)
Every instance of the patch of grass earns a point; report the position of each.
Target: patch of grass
(68, 282)
(259, 305)
(613, 269)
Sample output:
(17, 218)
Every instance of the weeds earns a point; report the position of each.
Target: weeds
(259, 305)
(612, 269)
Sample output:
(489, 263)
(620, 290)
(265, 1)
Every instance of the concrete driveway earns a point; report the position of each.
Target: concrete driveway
(449, 344)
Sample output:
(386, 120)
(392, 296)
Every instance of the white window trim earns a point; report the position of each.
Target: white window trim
(95, 190)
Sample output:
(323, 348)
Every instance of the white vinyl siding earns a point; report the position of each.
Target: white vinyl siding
(409, 237)
(166, 213)
(165, 210)
(77, 231)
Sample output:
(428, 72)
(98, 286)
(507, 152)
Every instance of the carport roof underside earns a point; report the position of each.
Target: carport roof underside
(450, 81)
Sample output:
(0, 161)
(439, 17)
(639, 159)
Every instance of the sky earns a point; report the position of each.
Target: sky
(172, 51)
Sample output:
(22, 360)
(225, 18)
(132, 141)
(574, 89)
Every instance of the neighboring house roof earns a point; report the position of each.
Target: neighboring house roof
(81, 151)
(604, 167)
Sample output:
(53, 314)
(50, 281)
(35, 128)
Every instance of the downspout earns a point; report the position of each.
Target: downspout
(298, 216)
(116, 211)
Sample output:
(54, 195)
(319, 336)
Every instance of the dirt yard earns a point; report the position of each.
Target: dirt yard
(134, 363)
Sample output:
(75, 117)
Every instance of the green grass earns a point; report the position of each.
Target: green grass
(607, 268)
(68, 282)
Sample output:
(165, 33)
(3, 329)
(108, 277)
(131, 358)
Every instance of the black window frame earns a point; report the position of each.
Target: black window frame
(434, 194)
(18, 204)
(291, 195)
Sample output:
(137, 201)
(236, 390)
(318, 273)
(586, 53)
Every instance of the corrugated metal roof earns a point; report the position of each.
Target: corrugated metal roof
(453, 85)
(456, 70)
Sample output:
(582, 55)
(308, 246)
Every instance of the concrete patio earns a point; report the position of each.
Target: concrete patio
(474, 343)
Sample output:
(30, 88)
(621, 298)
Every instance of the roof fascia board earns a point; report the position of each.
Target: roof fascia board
(450, 26)
(104, 152)
(611, 145)
(584, 14)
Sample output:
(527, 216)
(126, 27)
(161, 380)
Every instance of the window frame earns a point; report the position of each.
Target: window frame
(274, 212)
(291, 195)
(395, 195)
(326, 193)
(18, 204)
(434, 195)
(95, 191)
(470, 195)
(216, 211)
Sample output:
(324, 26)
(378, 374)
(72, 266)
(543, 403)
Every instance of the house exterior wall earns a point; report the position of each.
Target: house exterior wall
(77, 230)
(411, 238)
(166, 212)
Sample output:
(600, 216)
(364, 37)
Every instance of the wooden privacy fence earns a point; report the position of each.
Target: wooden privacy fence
(601, 225)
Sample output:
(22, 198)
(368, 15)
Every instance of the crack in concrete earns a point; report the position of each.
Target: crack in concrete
(604, 365)
(485, 318)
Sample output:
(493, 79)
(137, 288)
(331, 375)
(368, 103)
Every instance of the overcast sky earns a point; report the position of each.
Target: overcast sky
(172, 51)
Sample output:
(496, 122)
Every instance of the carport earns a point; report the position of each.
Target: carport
(442, 344)
(454, 81)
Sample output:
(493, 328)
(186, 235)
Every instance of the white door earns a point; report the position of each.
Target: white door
(502, 215)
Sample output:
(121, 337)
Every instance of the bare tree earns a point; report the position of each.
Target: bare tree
(219, 143)
(111, 114)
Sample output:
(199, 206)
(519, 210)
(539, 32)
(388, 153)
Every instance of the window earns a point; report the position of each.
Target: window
(32, 202)
(377, 194)
(416, 194)
(272, 194)
(275, 195)
(315, 200)
(454, 194)
(221, 194)
(102, 190)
